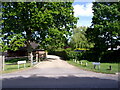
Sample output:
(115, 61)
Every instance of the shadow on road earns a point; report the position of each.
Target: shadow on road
(58, 82)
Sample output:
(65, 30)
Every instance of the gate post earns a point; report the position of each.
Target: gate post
(31, 58)
(36, 57)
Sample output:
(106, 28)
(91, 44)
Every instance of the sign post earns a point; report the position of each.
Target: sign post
(21, 62)
(95, 64)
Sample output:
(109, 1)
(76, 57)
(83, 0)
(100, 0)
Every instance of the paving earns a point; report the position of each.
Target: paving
(57, 73)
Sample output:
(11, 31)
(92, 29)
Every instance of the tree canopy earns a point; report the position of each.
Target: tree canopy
(105, 28)
(46, 23)
(79, 40)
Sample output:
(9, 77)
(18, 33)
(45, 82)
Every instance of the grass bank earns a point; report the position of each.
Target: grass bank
(12, 66)
(104, 67)
(9, 67)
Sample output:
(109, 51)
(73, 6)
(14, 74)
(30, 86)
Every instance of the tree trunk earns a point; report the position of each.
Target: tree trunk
(111, 41)
(29, 47)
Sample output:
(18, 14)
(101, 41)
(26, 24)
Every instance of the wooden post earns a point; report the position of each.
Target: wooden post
(36, 57)
(46, 53)
(18, 66)
(31, 58)
(24, 65)
(3, 60)
(81, 62)
(74, 60)
(94, 66)
(86, 64)
(110, 67)
(98, 67)
(1, 63)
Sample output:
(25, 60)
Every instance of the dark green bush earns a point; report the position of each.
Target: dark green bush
(90, 55)
(111, 56)
(107, 56)
(14, 60)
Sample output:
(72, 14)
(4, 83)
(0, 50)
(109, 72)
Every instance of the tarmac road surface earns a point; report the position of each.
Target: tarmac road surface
(57, 73)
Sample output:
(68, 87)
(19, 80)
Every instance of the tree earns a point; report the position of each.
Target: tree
(105, 29)
(78, 39)
(46, 23)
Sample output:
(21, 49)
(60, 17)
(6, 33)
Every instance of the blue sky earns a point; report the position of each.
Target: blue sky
(83, 10)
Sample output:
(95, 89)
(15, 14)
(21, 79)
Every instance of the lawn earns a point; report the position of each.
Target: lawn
(104, 67)
(12, 66)
(9, 67)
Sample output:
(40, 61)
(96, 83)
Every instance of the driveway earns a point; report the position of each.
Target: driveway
(57, 73)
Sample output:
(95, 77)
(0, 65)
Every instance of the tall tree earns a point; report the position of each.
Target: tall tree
(105, 29)
(78, 39)
(46, 23)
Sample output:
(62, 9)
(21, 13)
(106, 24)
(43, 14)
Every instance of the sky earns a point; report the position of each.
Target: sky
(83, 10)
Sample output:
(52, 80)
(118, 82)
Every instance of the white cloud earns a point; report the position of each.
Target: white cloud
(83, 10)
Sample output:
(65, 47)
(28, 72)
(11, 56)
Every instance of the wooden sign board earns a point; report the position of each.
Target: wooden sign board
(21, 62)
(96, 63)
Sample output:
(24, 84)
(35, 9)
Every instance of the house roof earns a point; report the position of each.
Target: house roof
(34, 45)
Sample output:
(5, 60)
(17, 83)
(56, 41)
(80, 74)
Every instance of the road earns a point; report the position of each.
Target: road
(57, 73)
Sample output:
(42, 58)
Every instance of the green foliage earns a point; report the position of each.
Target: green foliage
(70, 54)
(105, 29)
(81, 49)
(46, 23)
(79, 40)
(107, 56)
(15, 60)
(15, 42)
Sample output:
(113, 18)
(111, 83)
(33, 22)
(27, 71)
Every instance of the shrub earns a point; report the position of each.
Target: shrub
(14, 60)
(111, 56)
(107, 56)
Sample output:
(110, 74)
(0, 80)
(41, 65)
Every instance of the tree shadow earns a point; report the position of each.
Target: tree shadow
(69, 81)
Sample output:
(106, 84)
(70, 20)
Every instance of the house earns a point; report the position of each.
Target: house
(22, 51)
(41, 53)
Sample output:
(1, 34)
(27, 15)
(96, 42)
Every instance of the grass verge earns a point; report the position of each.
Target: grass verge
(104, 67)
(12, 66)
(9, 67)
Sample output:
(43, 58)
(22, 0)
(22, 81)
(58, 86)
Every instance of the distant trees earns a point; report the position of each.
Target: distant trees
(46, 23)
(78, 38)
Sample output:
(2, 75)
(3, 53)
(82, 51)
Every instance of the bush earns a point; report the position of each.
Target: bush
(16, 59)
(107, 56)
(111, 56)
(74, 55)
(67, 54)
(90, 55)
(58, 52)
